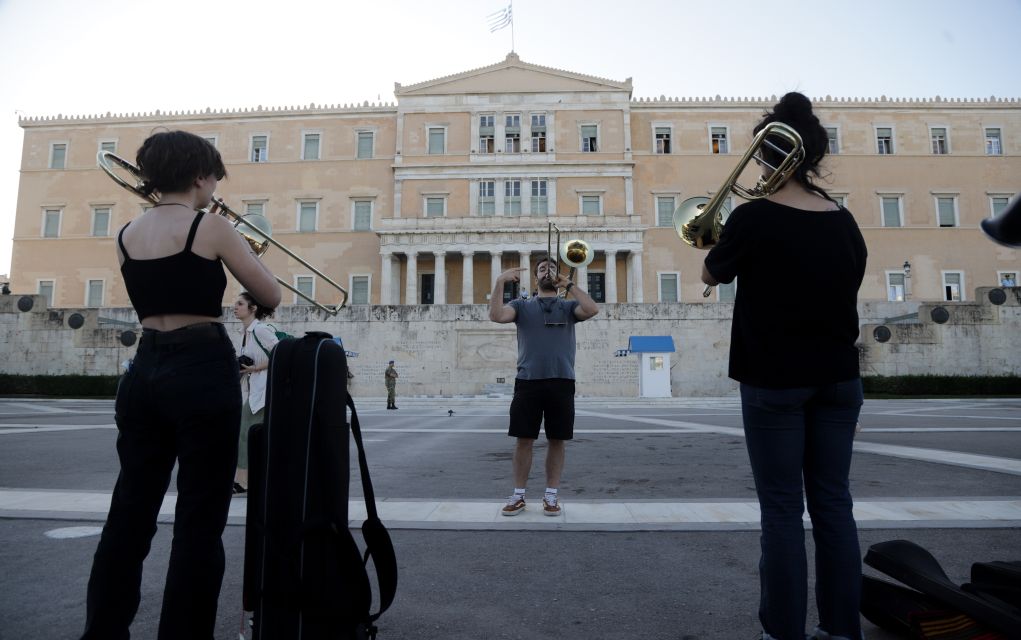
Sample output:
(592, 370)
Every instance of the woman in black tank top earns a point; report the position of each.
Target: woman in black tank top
(180, 400)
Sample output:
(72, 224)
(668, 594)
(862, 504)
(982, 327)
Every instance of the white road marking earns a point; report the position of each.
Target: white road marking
(637, 514)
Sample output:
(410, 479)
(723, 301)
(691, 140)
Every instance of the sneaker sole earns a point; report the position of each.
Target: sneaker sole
(553, 513)
(512, 513)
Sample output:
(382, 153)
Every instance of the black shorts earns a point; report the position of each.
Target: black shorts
(551, 399)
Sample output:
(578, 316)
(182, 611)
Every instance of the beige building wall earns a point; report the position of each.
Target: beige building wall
(627, 173)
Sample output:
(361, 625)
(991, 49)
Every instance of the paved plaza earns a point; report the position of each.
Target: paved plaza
(658, 536)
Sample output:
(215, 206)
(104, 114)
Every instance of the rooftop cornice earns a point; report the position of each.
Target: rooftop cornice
(512, 61)
(827, 101)
(207, 113)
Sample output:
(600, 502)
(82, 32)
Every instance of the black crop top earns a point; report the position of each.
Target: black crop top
(183, 283)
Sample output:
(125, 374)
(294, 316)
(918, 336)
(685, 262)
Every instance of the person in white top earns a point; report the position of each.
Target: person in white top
(257, 342)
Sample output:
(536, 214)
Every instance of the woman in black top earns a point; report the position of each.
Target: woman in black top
(799, 259)
(180, 400)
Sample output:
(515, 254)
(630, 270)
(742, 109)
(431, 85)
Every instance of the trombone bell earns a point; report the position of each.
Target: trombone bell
(576, 253)
(697, 225)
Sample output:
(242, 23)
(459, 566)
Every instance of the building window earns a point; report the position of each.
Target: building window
(718, 140)
(591, 205)
(840, 199)
(46, 288)
(51, 223)
(366, 145)
(993, 146)
(833, 139)
(310, 149)
(664, 211)
(538, 133)
(260, 148)
(94, 294)
(435, 206)
(511, 290)
(891, 211)
(108, 145)
(487, 198)
(211, 140)
(589, 138)
(362, 216)
(938, 135)
(308, 214)
(359, 289)
(101, 221)
(595, 286)
(946, 211)
(997, 204)
(487, 134)
(884, 141)
(512, 198)
(1007, 278)
(512, 133)
(895, 286)
(663, 139)
(58, 155)
(726, 292)
(254, 208)
(953, 286)
(437, 140)
(540, 199)
(306, 285)
(668, 287)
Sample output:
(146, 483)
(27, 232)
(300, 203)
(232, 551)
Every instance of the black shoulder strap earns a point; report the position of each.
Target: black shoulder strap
(194, 228)
(120, 241)
(378, 545)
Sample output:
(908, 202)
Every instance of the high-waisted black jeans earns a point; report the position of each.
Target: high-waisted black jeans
(179, 401)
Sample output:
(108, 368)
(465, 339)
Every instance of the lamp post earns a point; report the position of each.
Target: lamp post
(907, 279)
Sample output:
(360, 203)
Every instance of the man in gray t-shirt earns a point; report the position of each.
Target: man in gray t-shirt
(544, 386)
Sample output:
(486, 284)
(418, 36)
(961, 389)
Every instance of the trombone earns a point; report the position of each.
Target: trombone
(256, 230)
(575, 253)
(699, 221)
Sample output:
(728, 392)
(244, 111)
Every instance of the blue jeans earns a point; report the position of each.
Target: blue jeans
(798, 438)
(179, 402)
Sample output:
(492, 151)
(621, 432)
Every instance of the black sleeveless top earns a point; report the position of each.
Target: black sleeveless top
(183, 283)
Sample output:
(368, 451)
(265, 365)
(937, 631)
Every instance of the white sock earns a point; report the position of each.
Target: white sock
(551, 492)
(519, 493)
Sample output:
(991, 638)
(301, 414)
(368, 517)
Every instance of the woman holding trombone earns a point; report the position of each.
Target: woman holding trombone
(180, 400)
(801, 393)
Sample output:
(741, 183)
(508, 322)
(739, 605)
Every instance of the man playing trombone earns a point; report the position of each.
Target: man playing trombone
(544, 385)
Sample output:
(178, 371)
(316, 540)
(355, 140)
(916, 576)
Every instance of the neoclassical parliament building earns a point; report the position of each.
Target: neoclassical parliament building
(426, 200)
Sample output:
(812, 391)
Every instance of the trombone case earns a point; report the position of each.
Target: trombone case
(933, 602)
(304, 576)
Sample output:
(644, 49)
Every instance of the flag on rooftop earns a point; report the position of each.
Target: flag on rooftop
(500, 19)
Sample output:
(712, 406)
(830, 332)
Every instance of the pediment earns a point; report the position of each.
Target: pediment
(512, 75)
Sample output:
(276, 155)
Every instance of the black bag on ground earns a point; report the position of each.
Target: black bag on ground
(917, 568)
(305, 578)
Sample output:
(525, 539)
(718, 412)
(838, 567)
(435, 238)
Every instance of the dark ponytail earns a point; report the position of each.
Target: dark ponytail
(795, 111)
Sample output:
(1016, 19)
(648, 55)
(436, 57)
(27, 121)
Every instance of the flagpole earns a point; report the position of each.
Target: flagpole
(512, 24)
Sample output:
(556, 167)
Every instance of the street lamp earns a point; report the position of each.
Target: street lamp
(907, 279)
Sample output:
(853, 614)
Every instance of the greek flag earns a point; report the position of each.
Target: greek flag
(500, 19)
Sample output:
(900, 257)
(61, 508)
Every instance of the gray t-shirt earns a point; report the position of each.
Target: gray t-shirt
(545, 337)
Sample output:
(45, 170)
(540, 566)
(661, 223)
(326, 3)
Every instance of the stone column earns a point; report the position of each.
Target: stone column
(495, 267)
(440, 281)
(611, 277)
(635, 273)
(525, 260)
(467, 278)
(581, 278)
(411, 288)
(386, 285)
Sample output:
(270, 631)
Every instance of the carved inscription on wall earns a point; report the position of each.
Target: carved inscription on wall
(487, 349)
